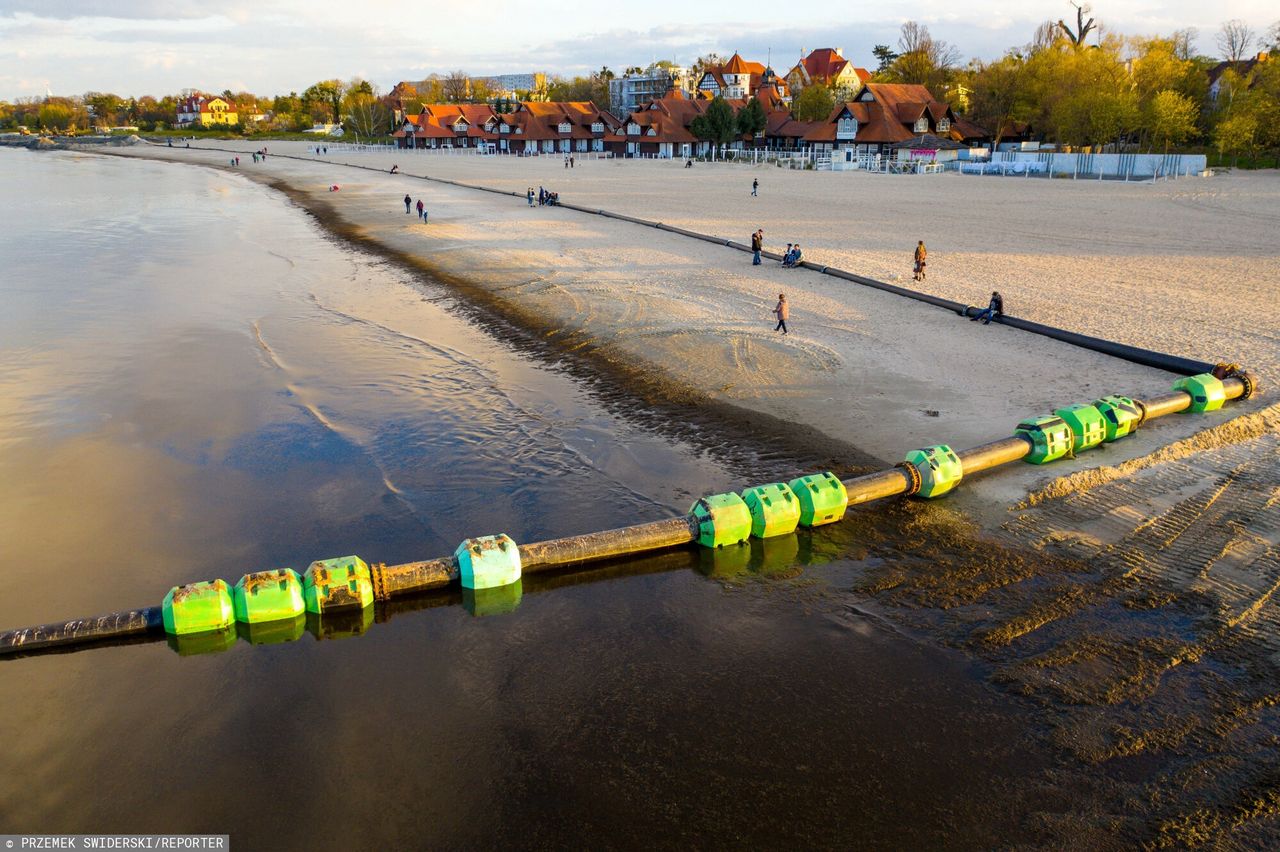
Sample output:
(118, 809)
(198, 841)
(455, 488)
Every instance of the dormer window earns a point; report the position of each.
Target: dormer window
(846, 128)
(922, 125)
(565, 127)
(652, 132)
(597, 127)
(503, 128)
(944, 125)
(633, 129)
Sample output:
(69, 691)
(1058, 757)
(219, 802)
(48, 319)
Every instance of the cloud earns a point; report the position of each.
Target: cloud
(166, 10)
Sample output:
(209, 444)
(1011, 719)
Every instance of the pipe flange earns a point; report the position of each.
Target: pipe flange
(1248, 387)
(378, 579)
(1142, 413)
(914, 476)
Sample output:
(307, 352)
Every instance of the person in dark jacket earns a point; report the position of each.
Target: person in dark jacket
(408, 204)
(757, 245)
(993, 309)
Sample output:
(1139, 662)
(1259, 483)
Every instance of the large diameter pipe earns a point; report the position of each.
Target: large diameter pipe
(874, 486)
(642, 538)
(987, 456)
(116, 625)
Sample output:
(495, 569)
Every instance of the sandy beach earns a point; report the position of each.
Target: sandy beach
(1185, 267)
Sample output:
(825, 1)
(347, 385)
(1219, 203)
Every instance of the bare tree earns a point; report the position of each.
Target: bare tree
(1083, 27)
(1045, 36)
(1273, 37)
(457, 87)
(1234, 39)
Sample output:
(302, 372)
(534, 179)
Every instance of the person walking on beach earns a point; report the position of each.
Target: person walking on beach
(408, 203)
(571, 162)
(420, 208)
(922, 255)
(757, 243)
(783, 310)
(993, 309)
(755, 188)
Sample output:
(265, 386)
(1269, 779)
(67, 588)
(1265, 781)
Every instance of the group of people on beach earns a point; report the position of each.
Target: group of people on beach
(408, 207)
(543, 196)
(790, 257)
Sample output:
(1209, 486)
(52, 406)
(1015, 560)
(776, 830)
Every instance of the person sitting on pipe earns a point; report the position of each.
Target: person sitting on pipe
(993, 309)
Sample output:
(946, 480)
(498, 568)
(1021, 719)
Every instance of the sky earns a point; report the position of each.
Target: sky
(137, 47)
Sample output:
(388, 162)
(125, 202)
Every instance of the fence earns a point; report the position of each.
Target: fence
(1088, 166)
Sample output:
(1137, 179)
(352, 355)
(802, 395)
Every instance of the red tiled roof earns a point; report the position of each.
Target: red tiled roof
(888, 117)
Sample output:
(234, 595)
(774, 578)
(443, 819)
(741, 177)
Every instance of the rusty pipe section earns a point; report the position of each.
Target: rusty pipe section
(409, 578)
(592, 547)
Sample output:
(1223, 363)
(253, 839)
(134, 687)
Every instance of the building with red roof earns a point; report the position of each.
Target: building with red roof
(532, 127)
(736, 78)
(886, 114)
(827, 66)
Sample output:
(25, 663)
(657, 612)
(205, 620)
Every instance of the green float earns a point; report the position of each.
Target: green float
(340, 583)
(1088, 427)
(722, 519)
(774, 509)
(198, 608)
(1050, 438)
(1206, 392)
(209, 642)
(269, 596)
(1120, 416)
(488, 562)
(939, 467)
(822, 497)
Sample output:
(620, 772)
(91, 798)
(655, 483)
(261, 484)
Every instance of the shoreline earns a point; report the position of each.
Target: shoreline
(799, 399)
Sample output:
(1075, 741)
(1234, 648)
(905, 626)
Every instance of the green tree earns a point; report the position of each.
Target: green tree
(1171, 118)
(1000, 96)
(1236, 134)
(326, 95)
(884, 57)
(718, 125)
(751, 119)
(56, 116)
(813, 104)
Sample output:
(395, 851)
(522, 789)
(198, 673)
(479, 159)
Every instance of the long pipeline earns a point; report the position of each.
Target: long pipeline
(414, 578)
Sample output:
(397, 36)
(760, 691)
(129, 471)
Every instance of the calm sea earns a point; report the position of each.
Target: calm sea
(196, 382)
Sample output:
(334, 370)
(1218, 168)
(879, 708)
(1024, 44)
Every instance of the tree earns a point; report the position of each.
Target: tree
(1235, 134)
(327, 96)
(1083, 27)
(999, 97)
(456, 87)
(884, 56)
(751, 119)
(367, 114)
(813, 104)
(1273, 37)
(1171, 118)
(1234, 39)
(703, 63)
(56, 116)
(717, 125)
(923, 59)
(105, 107)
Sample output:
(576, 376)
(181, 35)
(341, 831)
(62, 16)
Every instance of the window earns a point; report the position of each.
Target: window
(846, 128)
(565, 127)
(597, 127)
(503, 128)
(633, 129)
(944, 124)
(922, 126)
